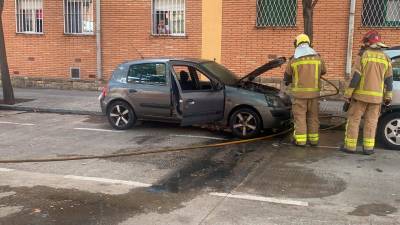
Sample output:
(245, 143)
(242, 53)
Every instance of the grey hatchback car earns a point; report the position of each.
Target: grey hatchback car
(193, 92)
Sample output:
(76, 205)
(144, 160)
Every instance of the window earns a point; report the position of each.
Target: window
(149, 73)
(381, 13)
(29, 14)
(78, 17)
(276, 13)
(169, 17)
(75, 73)
(191, 79)
(396, 69)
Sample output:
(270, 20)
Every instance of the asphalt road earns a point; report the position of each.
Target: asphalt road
(266, 182)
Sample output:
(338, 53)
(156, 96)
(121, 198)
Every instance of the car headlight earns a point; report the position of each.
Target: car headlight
(274, 101)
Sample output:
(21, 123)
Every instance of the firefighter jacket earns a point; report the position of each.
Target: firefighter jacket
(304, 75)
(372, 78)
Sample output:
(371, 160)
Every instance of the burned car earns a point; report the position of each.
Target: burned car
(193, 92)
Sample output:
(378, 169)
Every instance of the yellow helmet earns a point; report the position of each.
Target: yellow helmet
(302, 38)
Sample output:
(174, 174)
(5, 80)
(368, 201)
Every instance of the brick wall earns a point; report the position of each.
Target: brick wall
(127, 33)
(126, 28)
(245, 47)
(50, 54)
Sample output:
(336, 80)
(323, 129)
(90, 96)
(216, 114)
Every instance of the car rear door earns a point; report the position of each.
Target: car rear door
(149, 89)
(202, 101)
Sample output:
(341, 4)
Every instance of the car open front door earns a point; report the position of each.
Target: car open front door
(201, 98)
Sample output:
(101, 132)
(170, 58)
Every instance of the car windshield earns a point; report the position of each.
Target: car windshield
(225, 75)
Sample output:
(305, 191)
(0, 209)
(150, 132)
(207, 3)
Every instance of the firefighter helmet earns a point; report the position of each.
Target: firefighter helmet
(373, 38)
(301, 39)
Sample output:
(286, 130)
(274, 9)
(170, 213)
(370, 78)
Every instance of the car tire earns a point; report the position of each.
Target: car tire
(389, 130)
(245, 123)
(120, 115)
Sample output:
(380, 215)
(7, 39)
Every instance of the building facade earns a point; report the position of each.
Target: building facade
(71, 44)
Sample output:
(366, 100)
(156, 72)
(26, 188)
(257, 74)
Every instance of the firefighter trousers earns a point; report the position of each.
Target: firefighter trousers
(306, 121)
(371, 114)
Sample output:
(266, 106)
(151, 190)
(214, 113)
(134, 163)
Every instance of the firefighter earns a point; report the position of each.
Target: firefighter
(303, 72)
(371, 83)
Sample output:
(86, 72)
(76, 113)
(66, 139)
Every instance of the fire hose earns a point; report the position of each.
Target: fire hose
(183, 149)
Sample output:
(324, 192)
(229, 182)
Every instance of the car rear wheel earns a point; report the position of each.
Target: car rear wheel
(120, 115)
(389, 130)
(245, 123)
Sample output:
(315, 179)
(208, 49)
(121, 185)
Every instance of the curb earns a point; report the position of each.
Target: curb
(47, 110)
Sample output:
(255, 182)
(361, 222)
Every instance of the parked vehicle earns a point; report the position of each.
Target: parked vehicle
(193, 91)
(389, 123)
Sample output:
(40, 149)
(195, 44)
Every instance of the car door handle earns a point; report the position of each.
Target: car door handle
(191, 102)
(132, 91)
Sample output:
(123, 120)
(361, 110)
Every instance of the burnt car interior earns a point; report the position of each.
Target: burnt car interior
(191, 79)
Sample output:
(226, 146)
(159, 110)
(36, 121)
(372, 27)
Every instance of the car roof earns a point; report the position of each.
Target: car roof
(393, 53)
(166, 59)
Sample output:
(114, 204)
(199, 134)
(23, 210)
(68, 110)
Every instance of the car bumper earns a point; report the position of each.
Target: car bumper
(103, 104)
(277, 117)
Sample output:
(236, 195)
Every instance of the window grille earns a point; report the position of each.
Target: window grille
(381, 13)
(75, 73)
(29, 16)
(276, 13)
(169, 17)
(78, 17)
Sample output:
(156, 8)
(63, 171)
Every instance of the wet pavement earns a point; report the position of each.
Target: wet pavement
(265, 182)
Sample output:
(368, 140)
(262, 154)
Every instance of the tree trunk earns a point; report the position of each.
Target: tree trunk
(8, 93)
(308, 17)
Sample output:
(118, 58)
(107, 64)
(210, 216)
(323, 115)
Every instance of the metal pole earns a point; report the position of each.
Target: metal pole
(350, 38)
(98, 41)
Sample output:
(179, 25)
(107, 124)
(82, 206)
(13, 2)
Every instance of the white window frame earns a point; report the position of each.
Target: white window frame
(18, 21)
(67, 24)
(154, 15)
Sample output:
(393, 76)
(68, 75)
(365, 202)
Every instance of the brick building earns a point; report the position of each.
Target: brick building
(59, 43)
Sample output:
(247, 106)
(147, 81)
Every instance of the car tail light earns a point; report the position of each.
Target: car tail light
(104, 91)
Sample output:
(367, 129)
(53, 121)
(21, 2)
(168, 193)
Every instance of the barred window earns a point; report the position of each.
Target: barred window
(169, 17)
(29, 16)
(381, 13)
(78, 17)
(276, 13)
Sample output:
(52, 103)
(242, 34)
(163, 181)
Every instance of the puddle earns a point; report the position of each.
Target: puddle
(45, 206)
(281, 176)
(373, 209)
(216, 169)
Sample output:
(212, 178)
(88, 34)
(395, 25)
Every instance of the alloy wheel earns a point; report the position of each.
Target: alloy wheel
(392, 131)
(245, 123)
(119, 115)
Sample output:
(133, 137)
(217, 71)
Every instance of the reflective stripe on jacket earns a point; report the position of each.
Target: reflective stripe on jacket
(304, 74)
(370, 71)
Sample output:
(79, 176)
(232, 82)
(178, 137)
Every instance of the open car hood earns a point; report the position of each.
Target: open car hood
(264, 68)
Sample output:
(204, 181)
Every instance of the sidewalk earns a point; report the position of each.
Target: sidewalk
(86, 102)
(55, 101)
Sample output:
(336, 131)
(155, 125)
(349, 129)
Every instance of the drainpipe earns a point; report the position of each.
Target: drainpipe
(99, 65)
(350, 38)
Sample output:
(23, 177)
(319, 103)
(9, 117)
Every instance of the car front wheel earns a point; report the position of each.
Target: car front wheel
(120, 115)
(245, 123)
(389, 130)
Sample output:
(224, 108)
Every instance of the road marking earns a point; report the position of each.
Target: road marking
(202, 137)
(6, 170)
(99, 130)
(109, 181)
(261, 199)
(21, 124)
